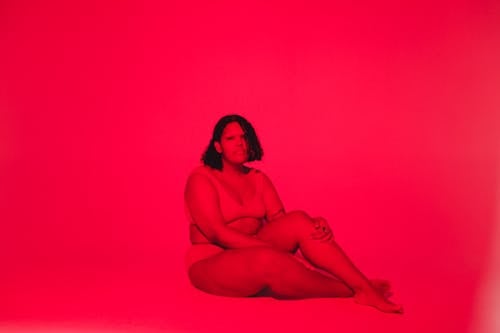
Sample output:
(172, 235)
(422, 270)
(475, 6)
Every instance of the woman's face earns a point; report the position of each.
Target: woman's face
(233, 144)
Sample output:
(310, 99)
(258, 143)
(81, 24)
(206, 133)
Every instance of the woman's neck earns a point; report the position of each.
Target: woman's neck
(234, 170)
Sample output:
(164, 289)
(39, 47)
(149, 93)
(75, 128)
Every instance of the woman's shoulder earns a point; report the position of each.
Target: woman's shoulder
(263, 178)
(201, 169)
(260, 175)
(257, 172)
(199, 176)
(253, 169)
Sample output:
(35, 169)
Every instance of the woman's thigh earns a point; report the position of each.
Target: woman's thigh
(234, 272)
(285, 232)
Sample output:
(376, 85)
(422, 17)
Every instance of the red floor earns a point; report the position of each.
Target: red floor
(150, 298)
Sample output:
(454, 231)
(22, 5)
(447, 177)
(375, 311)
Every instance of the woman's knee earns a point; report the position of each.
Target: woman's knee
(298, 214)
(301, 221)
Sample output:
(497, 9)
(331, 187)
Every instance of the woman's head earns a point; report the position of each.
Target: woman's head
(234, 140)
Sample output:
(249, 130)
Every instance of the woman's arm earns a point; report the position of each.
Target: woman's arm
(272, 201)
(203, 204)
(275, 209)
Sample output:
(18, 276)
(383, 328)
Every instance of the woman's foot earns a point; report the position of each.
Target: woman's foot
(373, 298)
(383, 287)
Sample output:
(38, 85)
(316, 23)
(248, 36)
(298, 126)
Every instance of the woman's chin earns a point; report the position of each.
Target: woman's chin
(240, 161)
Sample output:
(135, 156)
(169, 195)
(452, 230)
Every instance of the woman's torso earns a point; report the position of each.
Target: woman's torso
(242, 214)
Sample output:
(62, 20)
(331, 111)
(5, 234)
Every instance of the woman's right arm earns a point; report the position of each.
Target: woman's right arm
(203, 204)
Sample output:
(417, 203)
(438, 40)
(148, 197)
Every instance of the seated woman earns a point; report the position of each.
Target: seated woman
(243, 240)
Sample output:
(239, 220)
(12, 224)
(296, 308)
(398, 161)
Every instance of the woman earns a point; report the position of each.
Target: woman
(243, 240)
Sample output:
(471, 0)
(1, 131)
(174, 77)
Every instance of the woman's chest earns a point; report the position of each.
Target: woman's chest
(241, 191)
(246, 225)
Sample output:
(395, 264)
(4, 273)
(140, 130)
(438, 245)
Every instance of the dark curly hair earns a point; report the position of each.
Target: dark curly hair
(213, 159)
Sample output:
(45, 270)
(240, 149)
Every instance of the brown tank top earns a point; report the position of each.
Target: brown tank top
(230, 207)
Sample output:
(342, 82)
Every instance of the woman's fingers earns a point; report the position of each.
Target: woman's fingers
(321, 234)
(316, 234)
(327, 238)
(319, 231)
(322, 230)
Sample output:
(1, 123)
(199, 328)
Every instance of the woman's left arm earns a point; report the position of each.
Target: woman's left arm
(272, 201)
(275, 209)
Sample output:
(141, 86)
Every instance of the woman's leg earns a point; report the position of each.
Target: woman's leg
(293, 231)
(262, 272)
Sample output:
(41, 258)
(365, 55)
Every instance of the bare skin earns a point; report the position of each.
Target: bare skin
(257, 259)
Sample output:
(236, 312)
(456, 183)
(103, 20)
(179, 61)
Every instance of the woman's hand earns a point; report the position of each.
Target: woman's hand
(322, 231)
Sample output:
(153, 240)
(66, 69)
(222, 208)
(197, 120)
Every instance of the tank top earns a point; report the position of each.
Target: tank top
(230, 207)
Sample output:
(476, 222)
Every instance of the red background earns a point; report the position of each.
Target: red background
(383, 118)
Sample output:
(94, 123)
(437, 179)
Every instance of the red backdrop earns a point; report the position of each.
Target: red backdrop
(383, 118)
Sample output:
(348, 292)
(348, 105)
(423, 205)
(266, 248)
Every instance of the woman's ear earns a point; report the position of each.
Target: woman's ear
(218, 147)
